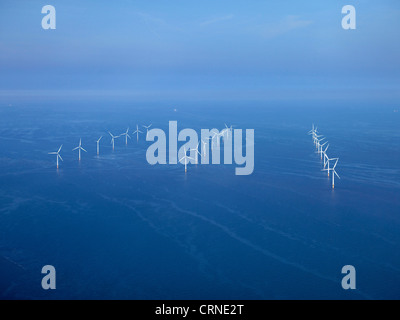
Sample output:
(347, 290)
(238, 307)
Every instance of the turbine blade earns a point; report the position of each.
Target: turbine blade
(83, 149)
(336, 163)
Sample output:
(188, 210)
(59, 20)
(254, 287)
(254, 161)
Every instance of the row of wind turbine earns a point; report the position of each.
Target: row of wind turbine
(319, 143)
(215, 140)
(80, 148)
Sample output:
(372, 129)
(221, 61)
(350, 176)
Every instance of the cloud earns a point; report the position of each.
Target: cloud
(217, 19)
(287, 24)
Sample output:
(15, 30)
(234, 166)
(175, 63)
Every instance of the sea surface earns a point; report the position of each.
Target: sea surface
(116, 227)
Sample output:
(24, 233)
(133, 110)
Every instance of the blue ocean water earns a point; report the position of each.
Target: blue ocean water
(115, 227)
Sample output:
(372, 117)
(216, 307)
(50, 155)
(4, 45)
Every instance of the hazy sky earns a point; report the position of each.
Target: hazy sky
(197, 49)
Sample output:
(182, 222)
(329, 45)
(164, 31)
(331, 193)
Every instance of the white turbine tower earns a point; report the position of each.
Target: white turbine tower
(98, 143)
(147, 129)
(79, 148)
(212, 139)
(126, 134)
(137, 132)
(196, 152)
(58, 155)
(112, 138)
(204, 144)
(185, 157)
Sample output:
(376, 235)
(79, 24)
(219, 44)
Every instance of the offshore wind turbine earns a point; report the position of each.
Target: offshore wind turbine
(126, 134)
(328, 163)
(204, 146)
(112, 138)
(185, 157)
(147, 129)
(325, 155)
(58, 155)
(79, 148)
(334, 173)
(137, 132)
(313, 130)
(228, 129)
(320, 151)
(212, 139)
(196, 152)
(98, 143)
(318, 143)
(316, 139)
(216, 136)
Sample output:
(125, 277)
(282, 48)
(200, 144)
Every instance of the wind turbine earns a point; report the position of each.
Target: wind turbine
(316, 137)
(147, 129)
(98, 142)
(334, 173)
(79, 148)
(58, 154)
(320, 151)
(216, 135)
(112, 138)
(126, 136)
(137, 132)
(228, 129)
(325, 155)
(328, 163)
(318, 143)
(196, 152)
(185, 157)
(204, 146)
(313, 130)
(212, 139)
